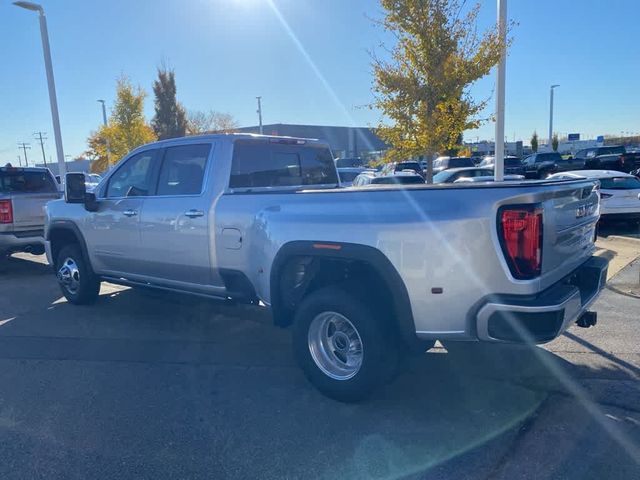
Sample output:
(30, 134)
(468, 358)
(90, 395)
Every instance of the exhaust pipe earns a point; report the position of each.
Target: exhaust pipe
(587, 319)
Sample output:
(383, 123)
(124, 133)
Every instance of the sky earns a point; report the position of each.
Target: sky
(308, 59)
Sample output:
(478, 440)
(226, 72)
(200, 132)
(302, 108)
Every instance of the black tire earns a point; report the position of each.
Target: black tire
(379, 358)
(87, 285)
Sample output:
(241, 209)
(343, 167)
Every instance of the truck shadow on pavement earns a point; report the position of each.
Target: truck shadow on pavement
(202, 389)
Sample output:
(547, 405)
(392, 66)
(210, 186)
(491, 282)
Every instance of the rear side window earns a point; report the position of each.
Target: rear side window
(182, 170)
(548, 157)
(619, 150)
(20, 181)
(264, 163)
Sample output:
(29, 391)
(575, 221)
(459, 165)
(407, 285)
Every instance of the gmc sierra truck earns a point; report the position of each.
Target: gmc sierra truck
(362, 275)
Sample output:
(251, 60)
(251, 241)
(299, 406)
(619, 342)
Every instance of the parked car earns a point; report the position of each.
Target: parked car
(542, 165)
(23, 194)
(362, 274)
(619, 193)
(394, 167)
(453, 174)
(407, 177)
(610, 157)
(490, 178)
(348, 174)
(512, 165)
(444, 163)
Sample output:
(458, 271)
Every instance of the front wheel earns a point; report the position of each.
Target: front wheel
(78, 283)
(342, 345)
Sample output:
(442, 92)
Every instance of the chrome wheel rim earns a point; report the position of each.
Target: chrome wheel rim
(335, 345)
(69, 275)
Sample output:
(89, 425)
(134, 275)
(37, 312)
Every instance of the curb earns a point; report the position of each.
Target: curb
(629, 240)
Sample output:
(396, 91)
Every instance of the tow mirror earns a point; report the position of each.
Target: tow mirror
(74, 188)
(75, 191)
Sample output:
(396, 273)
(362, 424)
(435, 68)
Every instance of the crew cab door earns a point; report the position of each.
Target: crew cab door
(113, 232)
(175, 228)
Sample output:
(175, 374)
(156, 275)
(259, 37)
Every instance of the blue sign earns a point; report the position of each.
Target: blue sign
(600, 139)
(573, 137)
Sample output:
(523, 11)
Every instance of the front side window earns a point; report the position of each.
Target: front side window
(620, 183)
(134, 178)
(182, 170)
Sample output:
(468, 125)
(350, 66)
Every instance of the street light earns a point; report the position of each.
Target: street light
(104, 120)
(259, 112)
(551, 112)
(34, 7)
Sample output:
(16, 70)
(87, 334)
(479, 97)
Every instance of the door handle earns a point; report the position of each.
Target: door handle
(130, 213)
(193, 213)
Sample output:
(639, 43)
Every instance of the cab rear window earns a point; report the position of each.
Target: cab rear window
(273, 163)
(20, 181)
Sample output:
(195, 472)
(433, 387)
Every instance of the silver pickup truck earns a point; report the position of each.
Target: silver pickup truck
(362, 275)
(23, 195)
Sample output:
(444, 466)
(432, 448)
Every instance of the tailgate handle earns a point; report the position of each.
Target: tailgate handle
(193, 213)
(130, 213)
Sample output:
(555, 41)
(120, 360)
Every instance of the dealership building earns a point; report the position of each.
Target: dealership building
(344, 141)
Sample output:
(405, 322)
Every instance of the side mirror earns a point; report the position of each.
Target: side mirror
(74, 188)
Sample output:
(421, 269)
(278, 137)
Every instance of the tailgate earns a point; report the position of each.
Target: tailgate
(570, 215)
(28, 209)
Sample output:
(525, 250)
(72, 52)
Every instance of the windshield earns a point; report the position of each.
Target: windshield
(26, 182)
(620, 183)
(460, 162)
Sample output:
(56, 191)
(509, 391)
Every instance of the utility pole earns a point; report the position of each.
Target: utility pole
(24, 147)
(19, 161)
(259, 112)
(104, 121)
(38, 136)
(498, 169)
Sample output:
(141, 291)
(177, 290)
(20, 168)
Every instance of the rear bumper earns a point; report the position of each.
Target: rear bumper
(20, 240)
(542, 317)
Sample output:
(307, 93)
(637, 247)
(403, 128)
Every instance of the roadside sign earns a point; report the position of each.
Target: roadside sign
(600, 139)
(573, 137)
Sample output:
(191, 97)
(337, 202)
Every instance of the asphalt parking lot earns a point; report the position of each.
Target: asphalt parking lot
(145, 385)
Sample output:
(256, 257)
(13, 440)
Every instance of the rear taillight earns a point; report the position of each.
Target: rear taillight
(6, 211)
(520, 229)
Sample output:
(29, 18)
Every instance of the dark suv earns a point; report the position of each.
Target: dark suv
(541, 165)
(610, 157)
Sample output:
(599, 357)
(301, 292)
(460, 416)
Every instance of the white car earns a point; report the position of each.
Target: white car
(619, 193)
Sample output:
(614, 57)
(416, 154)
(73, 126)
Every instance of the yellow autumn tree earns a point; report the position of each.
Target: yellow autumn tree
(422, 89)
(125, 130)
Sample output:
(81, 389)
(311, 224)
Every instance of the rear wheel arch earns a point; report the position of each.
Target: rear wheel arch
(300, 268)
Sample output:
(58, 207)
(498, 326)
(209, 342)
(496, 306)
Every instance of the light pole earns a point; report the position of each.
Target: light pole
(34, 7)
(104, 121)
(551, 113)
(259, 112)
(104, 112)
(498, 169)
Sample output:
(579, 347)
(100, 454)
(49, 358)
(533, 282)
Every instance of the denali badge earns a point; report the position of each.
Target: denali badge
(584, 210)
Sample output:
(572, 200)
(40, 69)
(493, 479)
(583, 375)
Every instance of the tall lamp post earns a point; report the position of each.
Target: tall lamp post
(259, 112)
(498, 169)
(34, 7)
(104, 121)
(551, 113)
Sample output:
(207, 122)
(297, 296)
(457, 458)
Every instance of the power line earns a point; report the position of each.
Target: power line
(39, 136)
(24, 147)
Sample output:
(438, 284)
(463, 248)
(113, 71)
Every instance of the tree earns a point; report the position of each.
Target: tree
(170, 119)
(554, 142)
(534, 142)
(423, 89)
(199, 122)
(125, 130)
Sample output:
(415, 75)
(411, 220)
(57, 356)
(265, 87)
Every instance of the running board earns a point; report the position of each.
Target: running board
(132, 283)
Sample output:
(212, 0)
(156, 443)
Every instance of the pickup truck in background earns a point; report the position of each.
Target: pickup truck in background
(363, 275)
(610, 157)
(23, 195)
